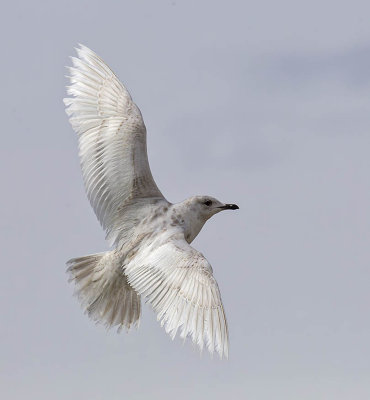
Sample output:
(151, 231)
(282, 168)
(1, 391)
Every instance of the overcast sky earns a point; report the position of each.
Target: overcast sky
(265, 104)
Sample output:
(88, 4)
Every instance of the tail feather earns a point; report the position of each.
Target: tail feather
(103, 290)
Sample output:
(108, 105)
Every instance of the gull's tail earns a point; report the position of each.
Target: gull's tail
(103, 290)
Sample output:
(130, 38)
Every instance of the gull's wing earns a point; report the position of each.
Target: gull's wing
(178, 281)
(112, 139)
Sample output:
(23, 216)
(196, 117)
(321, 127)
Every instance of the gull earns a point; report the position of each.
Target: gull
(150, 237)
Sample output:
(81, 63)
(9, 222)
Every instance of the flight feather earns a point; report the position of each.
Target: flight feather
(112, 139)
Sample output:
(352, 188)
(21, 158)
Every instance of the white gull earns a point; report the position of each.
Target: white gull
(152, 256)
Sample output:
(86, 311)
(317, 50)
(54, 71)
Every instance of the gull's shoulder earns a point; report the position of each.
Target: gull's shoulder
(147, 219)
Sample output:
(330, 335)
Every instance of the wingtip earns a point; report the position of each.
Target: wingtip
(82, 46)
(82, 49)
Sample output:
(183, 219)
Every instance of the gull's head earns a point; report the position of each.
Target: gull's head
(207, 206)
(195, 211)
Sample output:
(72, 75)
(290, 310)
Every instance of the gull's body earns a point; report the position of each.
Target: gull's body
(152, 256)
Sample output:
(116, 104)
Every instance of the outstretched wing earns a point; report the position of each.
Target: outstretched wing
(112, 138)
(178, 281)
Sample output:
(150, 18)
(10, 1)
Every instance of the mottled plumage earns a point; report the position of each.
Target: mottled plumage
(152, 256)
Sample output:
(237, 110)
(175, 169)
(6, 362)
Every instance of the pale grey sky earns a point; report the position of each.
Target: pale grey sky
(276, 97)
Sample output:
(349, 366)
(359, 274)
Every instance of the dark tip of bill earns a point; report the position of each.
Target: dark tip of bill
(230, 207)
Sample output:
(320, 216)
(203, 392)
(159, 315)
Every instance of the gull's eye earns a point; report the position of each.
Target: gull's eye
(208, 203)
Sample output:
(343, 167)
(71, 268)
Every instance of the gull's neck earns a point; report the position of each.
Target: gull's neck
(187, 217)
